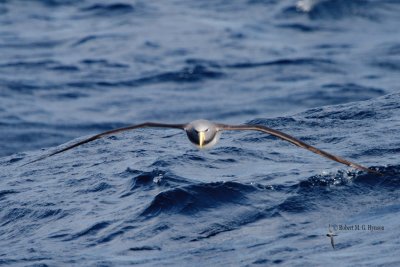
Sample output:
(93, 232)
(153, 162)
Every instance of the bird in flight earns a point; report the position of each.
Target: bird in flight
(205, 134)
(331, 234)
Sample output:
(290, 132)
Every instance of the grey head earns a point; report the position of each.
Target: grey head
(203, 133)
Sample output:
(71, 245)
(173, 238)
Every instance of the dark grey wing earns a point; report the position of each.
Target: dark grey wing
(100, 135)
(295, 141)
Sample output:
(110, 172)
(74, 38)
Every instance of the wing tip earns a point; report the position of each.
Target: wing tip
(369, 170)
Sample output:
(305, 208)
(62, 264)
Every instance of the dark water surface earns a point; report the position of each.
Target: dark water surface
(327, 72)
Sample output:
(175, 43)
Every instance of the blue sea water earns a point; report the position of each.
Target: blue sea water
(327, 72)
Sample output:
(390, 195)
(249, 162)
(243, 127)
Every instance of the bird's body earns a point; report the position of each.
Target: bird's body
(205, 134)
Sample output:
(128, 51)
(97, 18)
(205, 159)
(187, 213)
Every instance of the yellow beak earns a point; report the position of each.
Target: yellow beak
(202, 138)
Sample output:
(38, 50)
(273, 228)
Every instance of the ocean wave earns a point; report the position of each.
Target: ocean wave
(194, 198)
(72, 69)
(295, 62)
(109, 10)
(326, 190)
(339, 9)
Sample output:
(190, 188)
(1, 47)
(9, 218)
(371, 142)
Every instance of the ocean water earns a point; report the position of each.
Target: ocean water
(327, 72)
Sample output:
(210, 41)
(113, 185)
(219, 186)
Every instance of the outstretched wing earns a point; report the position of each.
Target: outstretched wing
(296, 142)
(100, 135)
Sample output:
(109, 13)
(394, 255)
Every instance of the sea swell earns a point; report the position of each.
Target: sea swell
(324, 71)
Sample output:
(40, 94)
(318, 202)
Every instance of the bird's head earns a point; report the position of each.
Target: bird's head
(202, 133)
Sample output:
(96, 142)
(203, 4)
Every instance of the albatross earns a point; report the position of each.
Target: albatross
(331, 234)
(205, 134)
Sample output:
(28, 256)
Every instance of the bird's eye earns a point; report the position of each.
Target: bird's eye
(207, 129)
